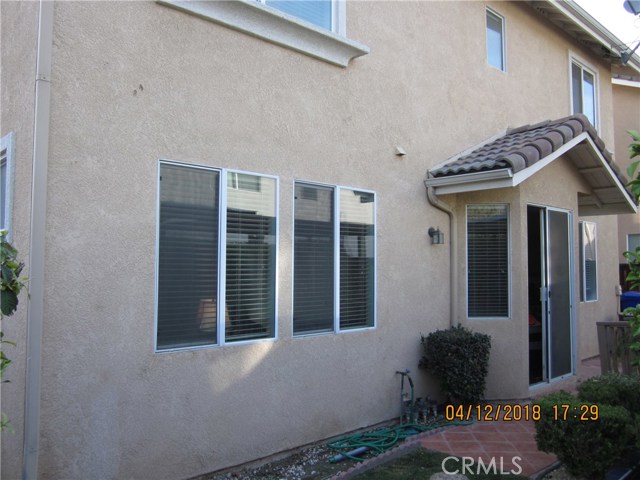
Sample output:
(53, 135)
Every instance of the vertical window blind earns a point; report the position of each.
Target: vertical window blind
(487, 261)
(333, 248)
(189, 309)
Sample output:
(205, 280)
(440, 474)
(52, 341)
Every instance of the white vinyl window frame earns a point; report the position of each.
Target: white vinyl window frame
(494, 51)
(7, 163)
(633, 241)
(272, 25)
(588, 261)
(580, 97)
(220, 288)
(338, 15)
(336, 189)
(508, 286)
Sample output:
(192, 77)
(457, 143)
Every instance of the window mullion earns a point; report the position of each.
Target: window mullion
(336, 259)
(222, 258)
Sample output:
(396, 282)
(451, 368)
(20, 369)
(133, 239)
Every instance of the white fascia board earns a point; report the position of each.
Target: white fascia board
(592, 27)
(277, 27)
(523, 175)
(471, 182)
(625, 83)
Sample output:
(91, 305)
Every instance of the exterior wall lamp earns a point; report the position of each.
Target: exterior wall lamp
(437, 237)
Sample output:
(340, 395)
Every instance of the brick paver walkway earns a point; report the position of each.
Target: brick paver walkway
(512, 443)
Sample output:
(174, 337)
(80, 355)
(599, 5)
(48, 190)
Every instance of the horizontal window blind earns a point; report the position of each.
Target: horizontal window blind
(588, 264)
(250, 261)
(356, 259)
(317, 12)
(313, 289)
(488, 260)
(187, 257)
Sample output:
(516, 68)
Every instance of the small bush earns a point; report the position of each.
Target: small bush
(612, 389)
(586, 447)
(459, 359)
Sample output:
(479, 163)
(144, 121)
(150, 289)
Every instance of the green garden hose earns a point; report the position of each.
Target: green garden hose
(379, 441)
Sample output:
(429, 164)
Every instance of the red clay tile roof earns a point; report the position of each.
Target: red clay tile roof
(522, 147)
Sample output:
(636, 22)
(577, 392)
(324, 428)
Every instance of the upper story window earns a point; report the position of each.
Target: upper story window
(6, 182)
(216, 260)
(318, 12)
(495, 40)
(317, 28)
(488, 261)
(334, 259)
(588, 262)
(584, 91)
(633, 241)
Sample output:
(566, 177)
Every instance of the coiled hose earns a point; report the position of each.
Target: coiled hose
(379, 441)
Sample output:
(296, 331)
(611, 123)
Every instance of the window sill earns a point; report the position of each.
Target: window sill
(263, 22)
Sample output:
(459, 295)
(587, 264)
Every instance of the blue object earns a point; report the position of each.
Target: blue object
(629, 299)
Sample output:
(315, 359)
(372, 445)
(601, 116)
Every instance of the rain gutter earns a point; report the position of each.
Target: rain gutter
(35, 312)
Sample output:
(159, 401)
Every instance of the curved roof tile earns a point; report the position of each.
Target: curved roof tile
(522, 147)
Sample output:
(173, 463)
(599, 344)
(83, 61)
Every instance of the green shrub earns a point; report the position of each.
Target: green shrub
(459, 359)
(587, 447)
(612, 389)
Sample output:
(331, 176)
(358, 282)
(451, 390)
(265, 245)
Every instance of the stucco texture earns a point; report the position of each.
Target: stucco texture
(154, 83)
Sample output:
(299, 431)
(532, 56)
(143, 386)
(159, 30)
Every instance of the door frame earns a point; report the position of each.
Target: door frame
(545, 262)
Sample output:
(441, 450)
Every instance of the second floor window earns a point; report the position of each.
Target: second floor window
(317, 12)
(495, 40)
(584, 91)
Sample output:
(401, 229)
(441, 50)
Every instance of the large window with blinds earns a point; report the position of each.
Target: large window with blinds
(216, 259)
(488, 261)
(334, 259)
(588, 262)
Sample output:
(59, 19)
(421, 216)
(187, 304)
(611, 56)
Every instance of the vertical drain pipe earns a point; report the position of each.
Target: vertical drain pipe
(35, 312)
(453, 253)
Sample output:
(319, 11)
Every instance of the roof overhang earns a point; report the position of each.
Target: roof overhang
(608, 195)
(575, 21)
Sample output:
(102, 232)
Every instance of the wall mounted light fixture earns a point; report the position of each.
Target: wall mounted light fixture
(437, 237)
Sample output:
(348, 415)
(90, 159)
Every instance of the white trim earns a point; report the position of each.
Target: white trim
(220, 340)
(503, 38)
(8, 143)
(336, 189)
(261, 21)
(583, 270)
(625, 83)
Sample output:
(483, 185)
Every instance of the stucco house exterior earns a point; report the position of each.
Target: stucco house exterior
(224, 210)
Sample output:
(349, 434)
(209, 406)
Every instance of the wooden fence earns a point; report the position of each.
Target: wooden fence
(614, 339)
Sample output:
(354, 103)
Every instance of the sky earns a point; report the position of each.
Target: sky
(615, 18)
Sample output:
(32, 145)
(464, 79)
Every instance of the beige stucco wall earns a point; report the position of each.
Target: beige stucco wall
(17, 80)
(626, 101)
(152, 83)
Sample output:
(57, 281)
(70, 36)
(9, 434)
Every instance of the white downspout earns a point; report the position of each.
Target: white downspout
(35, 312)
(453, 252)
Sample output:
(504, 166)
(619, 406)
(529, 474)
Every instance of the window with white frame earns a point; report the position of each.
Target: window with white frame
(588, 262)
(216, 260)
(334, 259)
(6, 182)
(633, 241)
(584, 91)
(318, 12)
(488, 261)
(495, 40)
